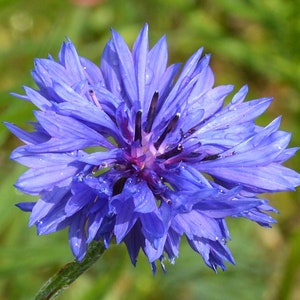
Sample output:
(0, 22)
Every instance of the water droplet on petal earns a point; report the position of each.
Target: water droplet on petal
(232, 108)
(114, 61)
(78, 177)
(149, 76)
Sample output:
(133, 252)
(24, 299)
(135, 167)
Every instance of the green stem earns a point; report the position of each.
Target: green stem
(69, 273)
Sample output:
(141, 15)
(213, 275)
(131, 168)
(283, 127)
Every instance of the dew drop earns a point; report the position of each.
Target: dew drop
(89, 176)
(78, 177)
(232, 108)
(149, 76)
(114, 61)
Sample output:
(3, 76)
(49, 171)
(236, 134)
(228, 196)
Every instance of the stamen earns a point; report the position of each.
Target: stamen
(94, 98)
(118, 186)
(171, 126)
(167, 200)
(175, 151)
(138, 126)
(211, 157)
(151, 113)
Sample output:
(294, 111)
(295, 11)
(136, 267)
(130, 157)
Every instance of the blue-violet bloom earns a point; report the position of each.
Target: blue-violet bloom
(139, 152)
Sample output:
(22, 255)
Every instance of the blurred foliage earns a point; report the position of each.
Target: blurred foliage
(252, 41)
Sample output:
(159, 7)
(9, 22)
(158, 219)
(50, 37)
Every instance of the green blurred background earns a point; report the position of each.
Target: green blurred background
(252, 41)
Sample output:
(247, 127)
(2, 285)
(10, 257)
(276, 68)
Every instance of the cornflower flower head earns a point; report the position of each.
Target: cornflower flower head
(139, 152)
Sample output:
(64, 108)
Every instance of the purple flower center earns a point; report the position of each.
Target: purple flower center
(149, 153)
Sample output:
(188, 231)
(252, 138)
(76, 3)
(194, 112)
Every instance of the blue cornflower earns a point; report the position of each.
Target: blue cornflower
(139, 152)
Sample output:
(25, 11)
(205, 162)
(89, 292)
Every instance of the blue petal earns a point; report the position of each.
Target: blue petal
(92, 72)
(34, 181)
(46, 70)
(102, 159)
(77, 237)
(240, 96)
(53, 221)
(172, 244)
(154, 249)
(211, 101)
(261, 179)
(212, 252)
(108, 100)
(226, 138)
(125, 219)
(96, 220)
(140, 57)
(156, 67)
(223, 209)
(37, 99)
(126, 68)
(166, 83)
(26, 206)
(68, 134)
(236, 114)
(144, 200)
(205, 81)
(62, 92)
(134, 241)
(184, 78)
(68, 57)
(82, 196)
(88, 112)
(46, 203)
(194, 224)
(124, 122)
(286, 154)
(152, 226)
(42, 160)
(110, 70)
(27, 137)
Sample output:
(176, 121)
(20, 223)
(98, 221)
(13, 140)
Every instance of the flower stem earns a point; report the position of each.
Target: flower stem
(69, 273)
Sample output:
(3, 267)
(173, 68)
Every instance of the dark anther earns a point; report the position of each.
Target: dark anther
(151, 113)
(211, 157)
(191, 131)
(166, 200)
(138, 126)
(171, 126)
(178, 149)
(118, 186)
(120, 167)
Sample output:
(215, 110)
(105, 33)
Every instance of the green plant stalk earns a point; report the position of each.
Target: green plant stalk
(69, 273)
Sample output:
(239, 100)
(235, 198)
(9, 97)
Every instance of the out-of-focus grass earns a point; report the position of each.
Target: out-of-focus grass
(255, 42)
